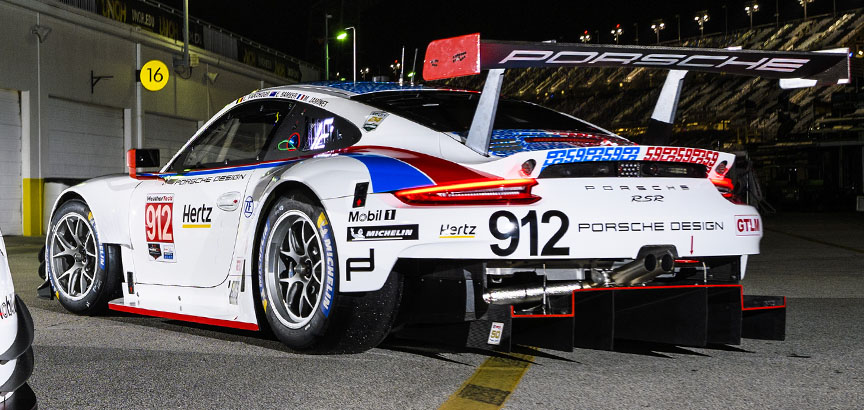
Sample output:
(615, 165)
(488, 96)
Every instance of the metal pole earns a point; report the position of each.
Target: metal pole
(355, 55)
(777, 12)
(186, 34)
(402, 66)
(678, 18)
(326, 46)
(413, 66)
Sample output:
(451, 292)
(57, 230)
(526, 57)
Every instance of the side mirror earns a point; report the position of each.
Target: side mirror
(141, 158)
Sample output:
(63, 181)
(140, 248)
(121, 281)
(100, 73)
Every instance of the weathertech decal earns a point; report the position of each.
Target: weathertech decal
(383, 233)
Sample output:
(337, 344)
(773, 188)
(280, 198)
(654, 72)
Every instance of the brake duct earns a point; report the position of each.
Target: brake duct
(641, 270)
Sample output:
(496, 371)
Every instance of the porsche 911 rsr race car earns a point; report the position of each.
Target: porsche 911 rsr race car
(335, 213)
(16, 337)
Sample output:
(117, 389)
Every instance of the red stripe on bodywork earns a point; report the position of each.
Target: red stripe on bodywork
(182, 317)
(440, 170)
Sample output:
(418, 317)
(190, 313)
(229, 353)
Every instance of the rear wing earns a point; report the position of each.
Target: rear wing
(469, 55)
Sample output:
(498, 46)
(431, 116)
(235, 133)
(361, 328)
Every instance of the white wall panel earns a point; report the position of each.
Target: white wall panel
(82, 141)
(10, 163)
(168, 134)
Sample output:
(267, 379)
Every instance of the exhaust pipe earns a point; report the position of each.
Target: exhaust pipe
(522, 294)
(645, 269)
(626, 274)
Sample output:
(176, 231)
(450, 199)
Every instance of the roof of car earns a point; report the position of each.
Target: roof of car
(349, 89)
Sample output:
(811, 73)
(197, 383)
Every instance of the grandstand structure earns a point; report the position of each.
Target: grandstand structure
(806, 145)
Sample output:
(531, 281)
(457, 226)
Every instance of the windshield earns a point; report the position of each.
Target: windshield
(453, 111)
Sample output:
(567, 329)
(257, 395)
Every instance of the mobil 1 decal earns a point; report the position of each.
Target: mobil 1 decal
(159, 226)
(508, 228)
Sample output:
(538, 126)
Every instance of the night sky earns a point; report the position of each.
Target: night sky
(384, 26)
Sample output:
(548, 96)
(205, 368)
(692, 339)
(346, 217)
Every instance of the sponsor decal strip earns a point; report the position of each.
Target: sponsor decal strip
(632, 153)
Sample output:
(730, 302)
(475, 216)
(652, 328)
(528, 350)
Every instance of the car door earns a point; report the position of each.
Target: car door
(184, 224)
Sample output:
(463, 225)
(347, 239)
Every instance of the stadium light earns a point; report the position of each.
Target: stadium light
(803, 3)
(701, 18)
(342, 36)
(657, 26)
(585, 37)
(617, 31)
(750, 8)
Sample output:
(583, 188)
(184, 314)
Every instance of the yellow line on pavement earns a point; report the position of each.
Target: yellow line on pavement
(491, 384)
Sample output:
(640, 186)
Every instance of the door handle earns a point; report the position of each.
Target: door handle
(229, 201)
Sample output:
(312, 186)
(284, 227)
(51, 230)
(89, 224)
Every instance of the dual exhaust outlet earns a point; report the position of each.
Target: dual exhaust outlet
(641, 270)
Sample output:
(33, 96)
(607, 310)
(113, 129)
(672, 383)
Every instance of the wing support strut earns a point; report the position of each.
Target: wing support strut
(480, 133)
(660, 125)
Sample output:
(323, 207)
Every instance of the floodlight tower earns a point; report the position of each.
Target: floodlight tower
(585, 37)
(701, 18)
(617, 31)
(657, 26)
(804, 3)
(750, 8)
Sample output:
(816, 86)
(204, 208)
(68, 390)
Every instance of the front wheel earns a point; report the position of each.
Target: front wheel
(298, 274)
(75, 261)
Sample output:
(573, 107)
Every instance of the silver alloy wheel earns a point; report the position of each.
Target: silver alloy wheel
(294, 270)
(73, 256)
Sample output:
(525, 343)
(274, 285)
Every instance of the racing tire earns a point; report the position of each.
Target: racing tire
(298, 275)
(77, 264)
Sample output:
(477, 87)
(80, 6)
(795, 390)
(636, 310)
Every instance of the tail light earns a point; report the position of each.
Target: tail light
(485, 192)
(726, 188)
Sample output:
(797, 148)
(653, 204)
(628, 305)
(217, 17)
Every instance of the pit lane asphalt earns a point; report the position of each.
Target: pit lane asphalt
(817, 260)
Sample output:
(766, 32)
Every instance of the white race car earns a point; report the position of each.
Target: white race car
(16, 336)
(336, 212)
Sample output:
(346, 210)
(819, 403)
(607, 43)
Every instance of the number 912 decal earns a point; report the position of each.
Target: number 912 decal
(512, 234)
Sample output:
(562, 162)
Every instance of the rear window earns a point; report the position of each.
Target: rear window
(453, 111)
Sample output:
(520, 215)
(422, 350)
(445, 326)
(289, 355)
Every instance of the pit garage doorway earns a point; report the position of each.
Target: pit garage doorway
(82, 141)
(10, 163)
(168, 134)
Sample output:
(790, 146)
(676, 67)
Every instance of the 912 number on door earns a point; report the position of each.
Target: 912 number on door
(157, 222)
(530, 221)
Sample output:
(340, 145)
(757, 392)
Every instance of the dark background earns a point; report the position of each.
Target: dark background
(384, 26)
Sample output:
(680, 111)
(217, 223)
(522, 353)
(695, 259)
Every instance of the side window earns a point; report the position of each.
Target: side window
(239, 137)
(310, 130)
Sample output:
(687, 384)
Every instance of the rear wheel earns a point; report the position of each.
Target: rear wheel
(75, 261)
(298, 277)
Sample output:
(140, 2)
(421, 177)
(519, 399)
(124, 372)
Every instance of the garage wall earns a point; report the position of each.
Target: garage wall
(83, 140)
(169, 134)
(72, 130)
(10, 163)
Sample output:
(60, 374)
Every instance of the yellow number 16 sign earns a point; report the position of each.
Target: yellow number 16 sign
(154, 75)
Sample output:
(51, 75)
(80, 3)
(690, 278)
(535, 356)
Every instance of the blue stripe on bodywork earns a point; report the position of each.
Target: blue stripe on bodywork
(390, 174)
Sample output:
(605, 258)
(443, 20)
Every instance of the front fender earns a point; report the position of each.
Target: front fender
(108, 199)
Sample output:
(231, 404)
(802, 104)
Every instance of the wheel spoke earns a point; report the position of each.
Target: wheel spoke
(82, 285)
(67, 252)
(66, 245)
(66, 273)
